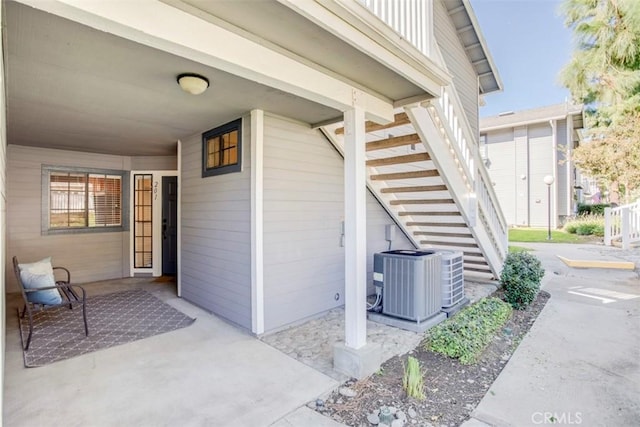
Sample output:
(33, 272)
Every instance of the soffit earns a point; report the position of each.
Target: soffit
(470, 36)
(76, 88)
(281, 28)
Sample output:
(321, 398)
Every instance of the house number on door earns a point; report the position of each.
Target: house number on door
(155, 190)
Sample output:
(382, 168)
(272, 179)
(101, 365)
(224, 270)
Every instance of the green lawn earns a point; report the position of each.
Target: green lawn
(513, 248)
(540, 235)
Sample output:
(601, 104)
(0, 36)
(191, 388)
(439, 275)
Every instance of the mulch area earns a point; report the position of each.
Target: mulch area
(452, 390)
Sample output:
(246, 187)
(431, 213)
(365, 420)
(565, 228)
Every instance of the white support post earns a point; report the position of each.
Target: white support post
(257, 222)
(624, 227)
(179, 213)
(607, 226)
(355, 187)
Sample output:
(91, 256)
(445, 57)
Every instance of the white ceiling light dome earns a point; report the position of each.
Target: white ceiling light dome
(195, 84)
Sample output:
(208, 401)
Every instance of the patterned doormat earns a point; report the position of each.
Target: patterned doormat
(113, 319)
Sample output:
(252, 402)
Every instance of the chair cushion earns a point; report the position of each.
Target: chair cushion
(40, 275)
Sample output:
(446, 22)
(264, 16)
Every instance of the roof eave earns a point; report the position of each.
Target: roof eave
(531, 121)
(498, 86)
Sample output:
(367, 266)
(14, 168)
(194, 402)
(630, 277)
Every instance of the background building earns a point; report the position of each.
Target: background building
(520, 149)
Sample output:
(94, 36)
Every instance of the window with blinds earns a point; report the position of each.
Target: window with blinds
(84, 200)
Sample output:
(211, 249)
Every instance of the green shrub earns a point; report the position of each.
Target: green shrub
(586, 225)
(585, 229)
(520, 277)
(592, 209)
(570, 227)
(413, 380)
(467, 334)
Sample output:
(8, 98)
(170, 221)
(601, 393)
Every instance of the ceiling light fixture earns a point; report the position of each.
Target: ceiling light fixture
(192, 83)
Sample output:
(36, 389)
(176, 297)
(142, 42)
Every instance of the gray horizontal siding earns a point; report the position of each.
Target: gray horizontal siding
(501, 152)
(303, 211)
(565, 189)
(457, 62)
(216, 234)
(91, 256)
(541, 164)
(303, 208)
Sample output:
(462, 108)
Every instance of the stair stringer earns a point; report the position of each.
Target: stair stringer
(374, 188)
(461, 190)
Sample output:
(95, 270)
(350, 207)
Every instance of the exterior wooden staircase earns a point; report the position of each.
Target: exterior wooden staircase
(425, 170)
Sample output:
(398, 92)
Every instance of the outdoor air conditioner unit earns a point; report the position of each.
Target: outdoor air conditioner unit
(452, 278)
(411, 283)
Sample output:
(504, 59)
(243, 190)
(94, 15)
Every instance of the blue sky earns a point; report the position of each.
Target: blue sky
(529, 45)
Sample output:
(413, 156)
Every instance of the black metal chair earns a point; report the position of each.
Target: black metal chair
(69, 294)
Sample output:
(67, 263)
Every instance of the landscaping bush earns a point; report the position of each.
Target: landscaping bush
(571, 227)
(520, 277)
(593, 209)
(467, 334)
(586, 225)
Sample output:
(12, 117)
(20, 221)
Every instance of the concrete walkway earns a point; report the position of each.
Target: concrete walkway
(580, 363)
(208, 374)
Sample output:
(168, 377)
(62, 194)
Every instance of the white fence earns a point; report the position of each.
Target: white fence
(622, 223)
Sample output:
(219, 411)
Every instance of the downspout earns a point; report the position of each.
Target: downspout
(554, 159)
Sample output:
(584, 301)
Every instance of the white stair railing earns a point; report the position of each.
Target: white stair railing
(622, 222)
(409, 18)
(464, 148)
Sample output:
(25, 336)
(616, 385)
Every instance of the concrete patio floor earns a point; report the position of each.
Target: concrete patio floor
(210, 373)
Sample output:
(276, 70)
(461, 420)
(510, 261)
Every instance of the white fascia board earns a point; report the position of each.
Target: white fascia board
(164, 27)
(355, 24)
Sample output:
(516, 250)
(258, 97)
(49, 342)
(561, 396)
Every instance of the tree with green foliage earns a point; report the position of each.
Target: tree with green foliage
(604, 72)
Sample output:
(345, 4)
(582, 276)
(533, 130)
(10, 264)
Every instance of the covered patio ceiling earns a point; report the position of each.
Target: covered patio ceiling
(76, 88)
(73, 87)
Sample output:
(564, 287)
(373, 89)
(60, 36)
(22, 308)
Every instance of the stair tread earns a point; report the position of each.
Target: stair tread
(479, 270)
(436, 224)
(475, 261)
(398, 120)
(454, 244)
(396, 160)
(430, 210)
(414, 189)
(405, 175)
(421, 202)
(431, 213)
(442, 234)
(393, 142)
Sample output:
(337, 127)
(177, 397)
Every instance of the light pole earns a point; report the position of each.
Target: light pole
(548, 180)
